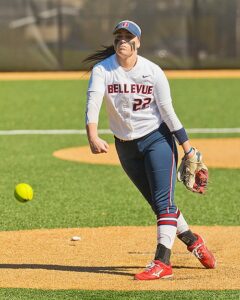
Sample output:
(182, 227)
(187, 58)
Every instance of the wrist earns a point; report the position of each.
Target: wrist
(92, 132)
(92, 138)
(189, 151)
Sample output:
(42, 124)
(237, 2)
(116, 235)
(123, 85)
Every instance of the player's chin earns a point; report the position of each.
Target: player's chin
(123, 52)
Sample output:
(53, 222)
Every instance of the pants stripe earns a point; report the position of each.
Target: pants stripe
(171, 176)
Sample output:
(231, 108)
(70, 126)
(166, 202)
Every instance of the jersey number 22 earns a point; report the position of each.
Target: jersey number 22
(141, 103)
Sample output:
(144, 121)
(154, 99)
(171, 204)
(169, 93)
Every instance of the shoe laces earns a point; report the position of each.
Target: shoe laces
(150, 266)
(197, 251)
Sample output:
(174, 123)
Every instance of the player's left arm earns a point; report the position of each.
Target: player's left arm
(163, 99)
(192, 171)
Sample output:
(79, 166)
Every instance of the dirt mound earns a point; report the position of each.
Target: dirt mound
(107, 257)
(218, 153)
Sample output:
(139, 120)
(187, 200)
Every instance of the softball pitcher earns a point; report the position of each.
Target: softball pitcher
(145, 126)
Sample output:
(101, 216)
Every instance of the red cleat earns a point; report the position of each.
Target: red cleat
(155, 270)
(200, 250)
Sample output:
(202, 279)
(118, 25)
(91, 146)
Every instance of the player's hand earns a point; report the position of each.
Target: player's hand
(98, 145)
(193, 172)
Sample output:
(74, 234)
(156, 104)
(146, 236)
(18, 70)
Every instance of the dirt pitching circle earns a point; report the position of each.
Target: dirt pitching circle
(217, 153)
(48, 259)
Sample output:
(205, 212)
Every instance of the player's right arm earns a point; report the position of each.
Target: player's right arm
(96, 144)
(95, 95)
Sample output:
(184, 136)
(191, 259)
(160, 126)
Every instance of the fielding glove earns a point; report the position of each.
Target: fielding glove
(193, 173)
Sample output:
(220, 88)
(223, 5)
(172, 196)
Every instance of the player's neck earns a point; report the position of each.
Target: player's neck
(127, 63)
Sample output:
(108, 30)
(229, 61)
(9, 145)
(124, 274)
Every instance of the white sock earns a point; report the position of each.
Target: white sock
(182, 225)
(166, 235)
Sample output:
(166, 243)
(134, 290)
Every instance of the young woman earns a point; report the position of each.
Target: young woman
(145, 127)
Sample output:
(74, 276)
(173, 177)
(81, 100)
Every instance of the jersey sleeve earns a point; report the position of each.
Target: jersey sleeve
(164, 102)
(95, 94)
(163, 98)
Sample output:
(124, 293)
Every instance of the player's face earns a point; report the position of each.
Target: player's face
(125, 43)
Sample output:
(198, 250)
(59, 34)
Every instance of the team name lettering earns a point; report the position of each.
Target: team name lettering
(132, 88)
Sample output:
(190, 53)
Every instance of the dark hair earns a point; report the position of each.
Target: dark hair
(99, 55)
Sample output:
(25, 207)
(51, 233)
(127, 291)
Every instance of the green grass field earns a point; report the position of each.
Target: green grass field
(64, 196)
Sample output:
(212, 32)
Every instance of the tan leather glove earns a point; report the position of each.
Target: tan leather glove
(193, 173)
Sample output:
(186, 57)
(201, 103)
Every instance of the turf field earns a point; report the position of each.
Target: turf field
(68, 194)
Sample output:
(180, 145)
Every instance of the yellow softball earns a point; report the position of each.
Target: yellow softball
(23, 192)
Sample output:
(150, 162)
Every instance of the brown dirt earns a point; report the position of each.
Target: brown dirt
(106, 259)
(218, 153)
(85, 75)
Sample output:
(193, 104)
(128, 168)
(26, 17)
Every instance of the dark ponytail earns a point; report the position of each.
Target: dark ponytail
(99, 55)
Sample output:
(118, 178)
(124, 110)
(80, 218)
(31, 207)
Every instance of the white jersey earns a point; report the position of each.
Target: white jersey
(137, 101)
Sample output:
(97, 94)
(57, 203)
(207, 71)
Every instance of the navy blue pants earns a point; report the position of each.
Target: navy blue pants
(150, 162)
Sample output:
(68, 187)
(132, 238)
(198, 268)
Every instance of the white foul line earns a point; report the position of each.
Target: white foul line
(213, 130)
(50, 131)
(106, 131)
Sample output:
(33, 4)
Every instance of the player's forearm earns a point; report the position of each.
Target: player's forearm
(169, 116)
(92, 131)
(96, 144)
(94, 102)
(182, 138)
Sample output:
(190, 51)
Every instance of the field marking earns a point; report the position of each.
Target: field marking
(104, 131)
(78, 75)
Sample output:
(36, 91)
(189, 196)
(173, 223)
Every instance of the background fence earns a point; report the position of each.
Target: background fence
(177, 34)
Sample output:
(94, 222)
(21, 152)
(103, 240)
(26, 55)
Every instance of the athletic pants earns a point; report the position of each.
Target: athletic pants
(150, 162)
